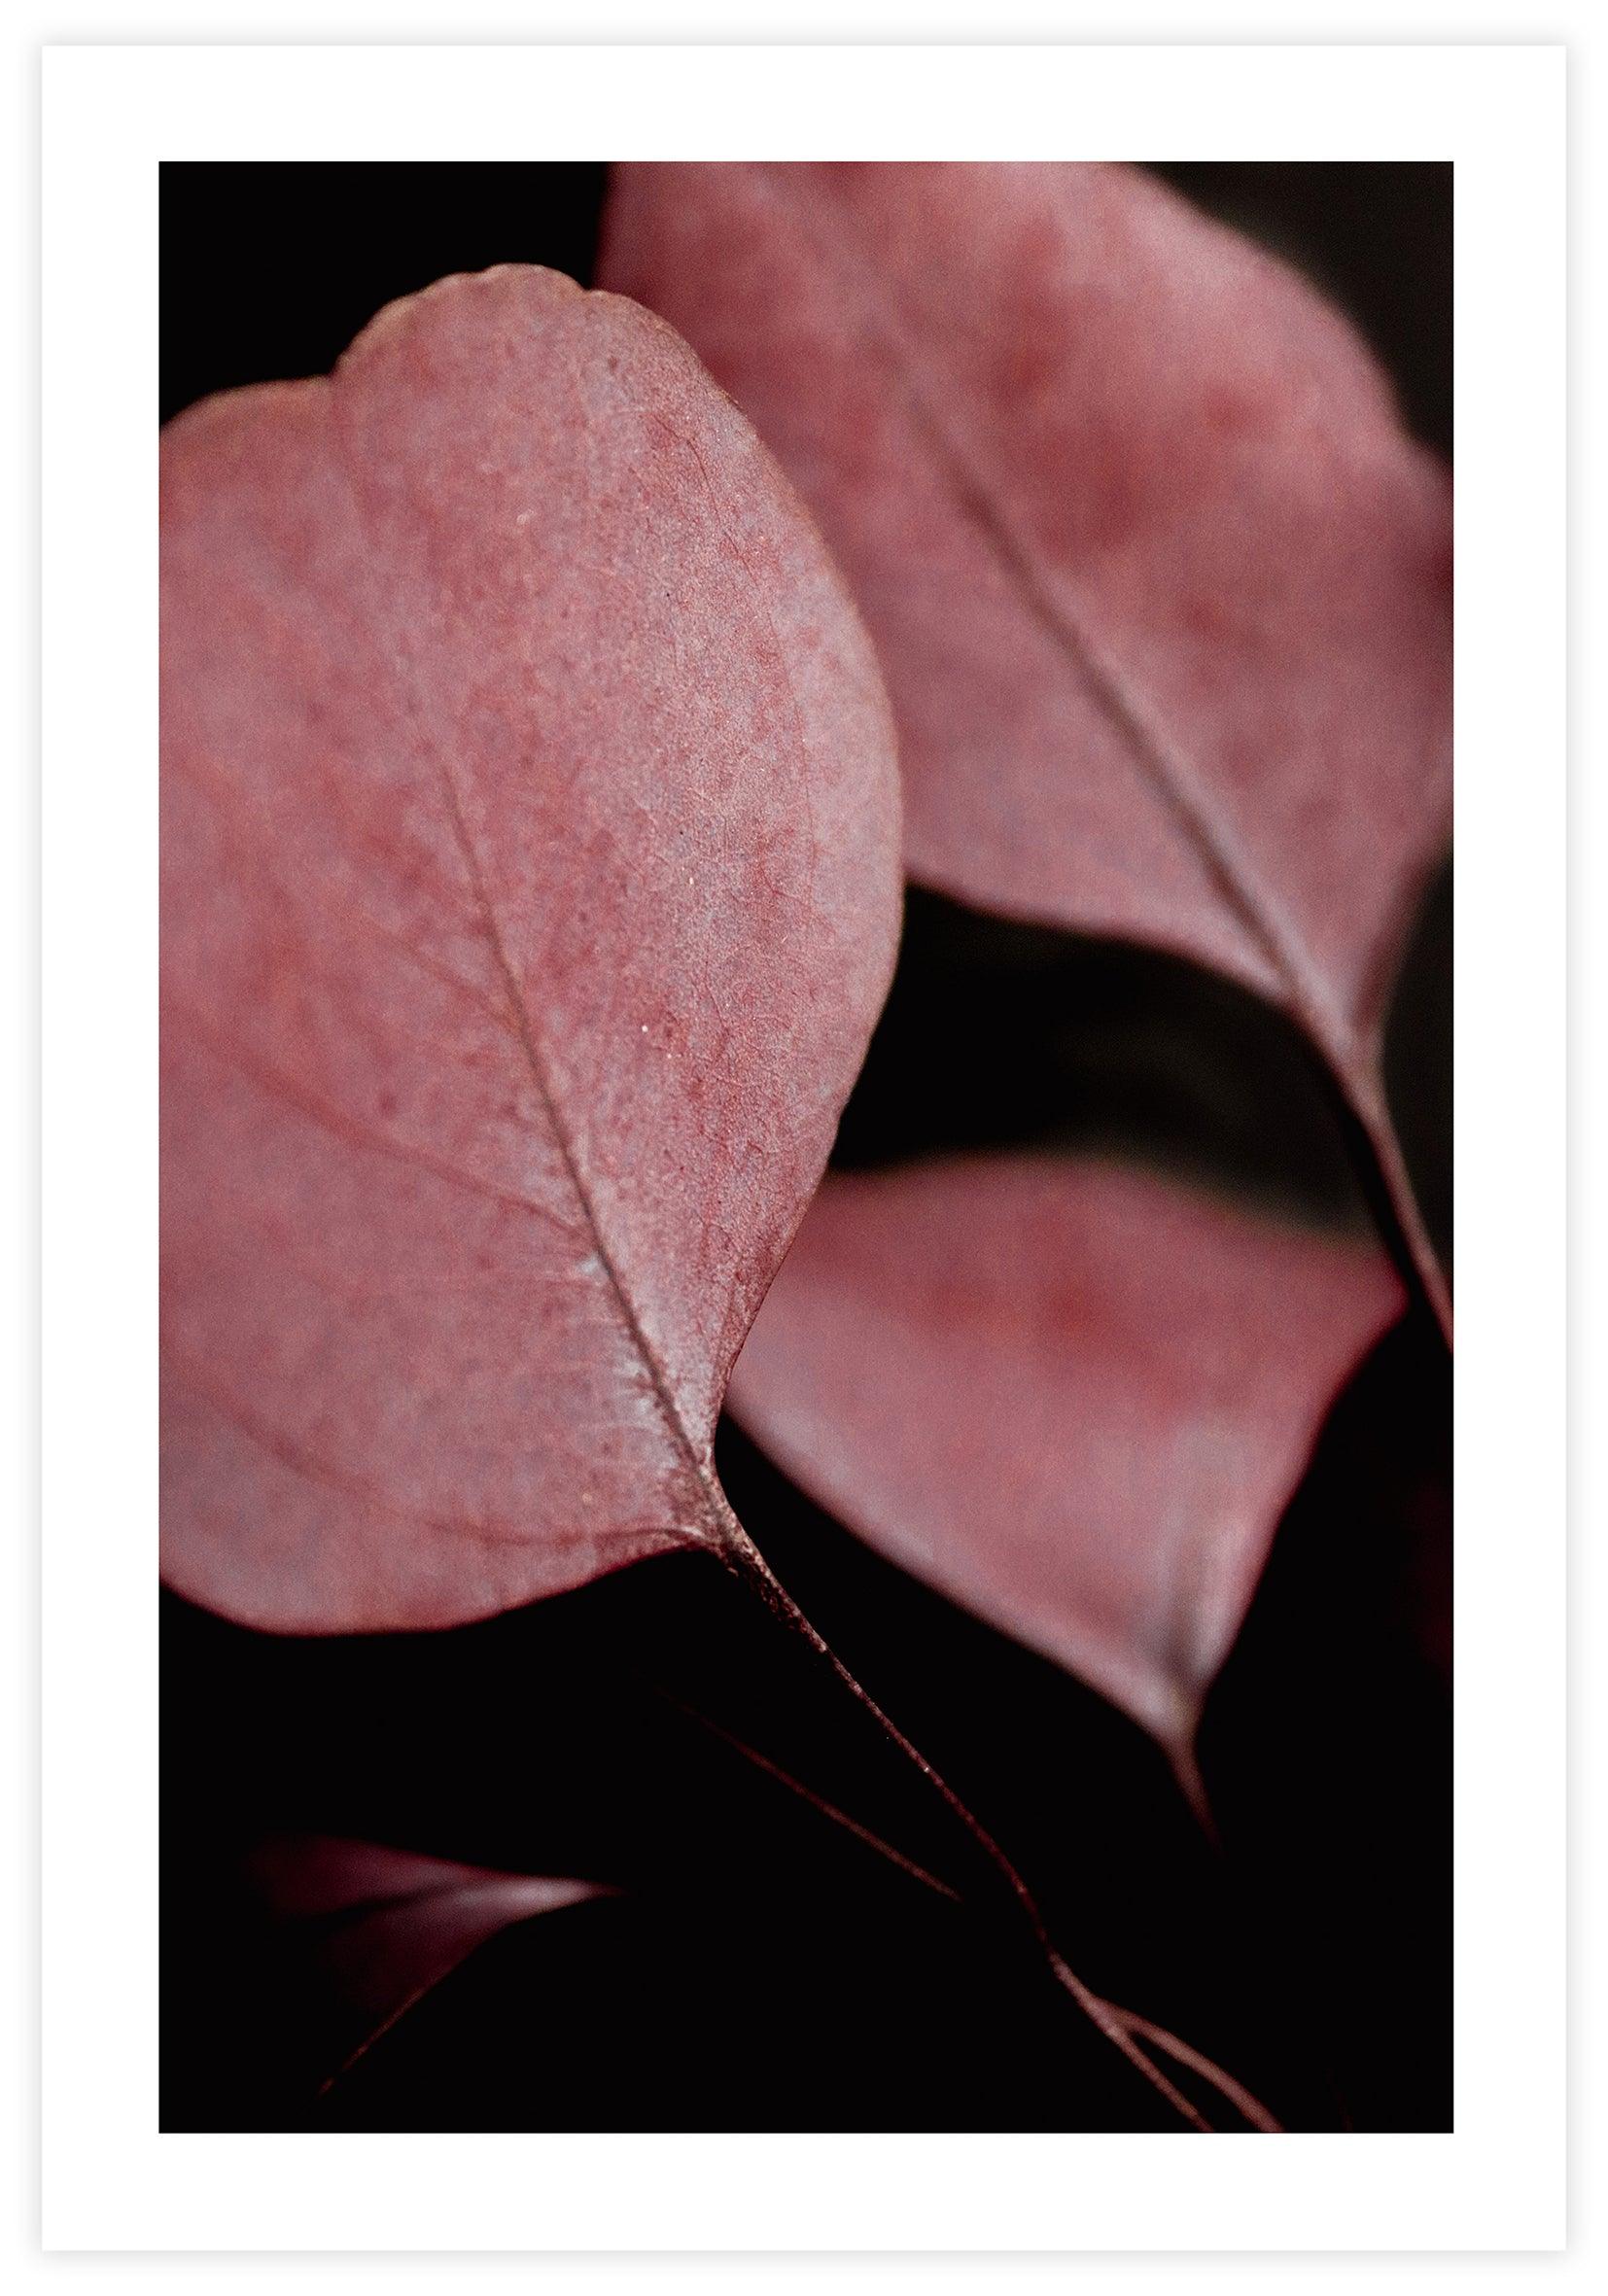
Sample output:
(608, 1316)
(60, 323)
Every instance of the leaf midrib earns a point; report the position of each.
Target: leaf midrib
(1167, 766)
(715, 1512)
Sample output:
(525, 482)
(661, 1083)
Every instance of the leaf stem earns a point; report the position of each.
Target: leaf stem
(747, 1562)
(1351, 1067)
(1231, 2090)
(1397, 1209)
(1142, 2028)
(1186, 1771)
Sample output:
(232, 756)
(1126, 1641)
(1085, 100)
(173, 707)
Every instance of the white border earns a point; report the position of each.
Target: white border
(110, 2180)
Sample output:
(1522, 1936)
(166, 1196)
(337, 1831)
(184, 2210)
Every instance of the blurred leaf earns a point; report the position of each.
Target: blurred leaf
(1075, 1398)
(1161, 587)
(387, 1926)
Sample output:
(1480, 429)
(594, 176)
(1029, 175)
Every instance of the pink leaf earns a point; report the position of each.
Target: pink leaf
(1161, 587)
(402, 1922)
(1073, 1397)
(530, 890)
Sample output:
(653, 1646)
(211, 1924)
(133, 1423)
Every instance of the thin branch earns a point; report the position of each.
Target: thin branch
(1404, 1226)
(1233, 2091)
(749, 1564)
(1142, 2029)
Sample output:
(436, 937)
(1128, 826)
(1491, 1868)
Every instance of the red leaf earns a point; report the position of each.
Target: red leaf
(529, 889)
(1075, 1397)
(400, 1923)
(1160, 586)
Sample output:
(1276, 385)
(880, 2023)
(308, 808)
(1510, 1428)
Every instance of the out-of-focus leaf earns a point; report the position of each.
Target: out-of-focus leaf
(389, 1925)
(1073, 1396)
(529, 889)
(1161, 585)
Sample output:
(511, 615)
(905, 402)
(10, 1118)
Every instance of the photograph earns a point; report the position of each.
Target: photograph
(806, 1178)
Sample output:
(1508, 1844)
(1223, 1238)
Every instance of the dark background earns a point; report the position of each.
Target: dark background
(765, 1970)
